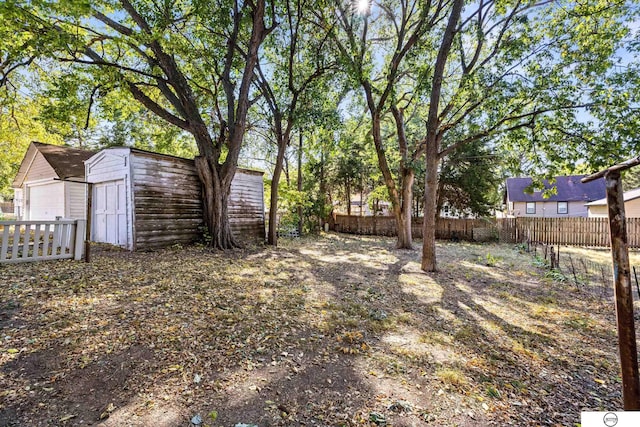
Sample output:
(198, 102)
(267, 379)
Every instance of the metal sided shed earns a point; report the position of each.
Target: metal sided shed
(143, 200)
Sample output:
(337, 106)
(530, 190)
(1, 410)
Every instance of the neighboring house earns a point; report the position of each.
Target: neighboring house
(598, 208)
(360, 206)
(568, 201)
(145, 200)
(448, 211)
(50, 183)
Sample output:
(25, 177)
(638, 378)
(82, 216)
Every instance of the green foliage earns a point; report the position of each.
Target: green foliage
(470, 178)
(490, 260)
(378, 194)
(19, 126)
(540, 262)
(556, 275)
(493, 392)
(545, 87)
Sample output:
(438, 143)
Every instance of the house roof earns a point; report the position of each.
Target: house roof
(628, 195)
(67, 162)
(569, 189)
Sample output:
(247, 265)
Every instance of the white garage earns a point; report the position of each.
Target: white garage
(50, 183)
(45, 201)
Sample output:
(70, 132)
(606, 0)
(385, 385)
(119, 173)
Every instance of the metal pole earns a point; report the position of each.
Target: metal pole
(87, 238)
(623, 292)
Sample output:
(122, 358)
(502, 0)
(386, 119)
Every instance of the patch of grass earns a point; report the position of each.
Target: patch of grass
(385, 325)
(451, 376)
(518, 386)
(540, 262)
(352, 342)
(519, 348)
(493, 392)
(465, 333)
(405, 318)
(499, 286)
(434, 337)
(556, 275)
(579, 323)
(395, 367)
(549, 299)
(489, 260)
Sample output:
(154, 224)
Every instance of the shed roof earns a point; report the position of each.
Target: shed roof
(162, 155)
(628, 195)
(569, 189)
(67, 162)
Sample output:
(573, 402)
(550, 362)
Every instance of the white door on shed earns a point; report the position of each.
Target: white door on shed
(46, 202)
(110, 218)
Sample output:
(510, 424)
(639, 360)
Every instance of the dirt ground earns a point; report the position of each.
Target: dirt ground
(334, 330)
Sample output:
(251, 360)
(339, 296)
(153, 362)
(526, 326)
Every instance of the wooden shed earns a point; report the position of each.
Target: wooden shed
(143, 200)
(50, 183)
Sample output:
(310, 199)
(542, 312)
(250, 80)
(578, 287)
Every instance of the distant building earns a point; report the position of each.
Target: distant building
(360, 206)
(448, 211)
(569, 200)
(598, 208)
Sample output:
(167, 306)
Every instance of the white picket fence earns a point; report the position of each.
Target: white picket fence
(25, 241)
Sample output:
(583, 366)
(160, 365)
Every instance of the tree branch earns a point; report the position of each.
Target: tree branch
(154, 107)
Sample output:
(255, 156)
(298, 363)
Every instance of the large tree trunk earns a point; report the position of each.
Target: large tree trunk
(323, 191)
(300, 221)
(403, 239)
(430, 211)
(215, 196)
(407, 204)
(347, 189)
(433, 140)
(272, 236)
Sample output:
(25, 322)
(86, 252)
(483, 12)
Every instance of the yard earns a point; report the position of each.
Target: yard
(335, 330)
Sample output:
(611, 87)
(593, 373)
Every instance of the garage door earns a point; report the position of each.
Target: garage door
(46, 202)
(110, 213)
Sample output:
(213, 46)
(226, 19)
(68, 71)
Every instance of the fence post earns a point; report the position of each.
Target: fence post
(88, 225)
(623, 295)
(79, 239)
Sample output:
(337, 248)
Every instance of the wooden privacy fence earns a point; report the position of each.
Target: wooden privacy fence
(446, 228)
(555, 231)
(24, 241)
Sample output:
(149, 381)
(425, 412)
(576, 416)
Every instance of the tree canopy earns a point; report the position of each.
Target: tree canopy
(452, 90)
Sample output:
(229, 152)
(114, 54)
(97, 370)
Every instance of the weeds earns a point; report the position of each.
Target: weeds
(453, 377)
(556, 275)
(493, 392)
(489, 260)
(540, 262)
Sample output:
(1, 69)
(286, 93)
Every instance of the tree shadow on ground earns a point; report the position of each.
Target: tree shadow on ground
(81, 396)
(334, 331)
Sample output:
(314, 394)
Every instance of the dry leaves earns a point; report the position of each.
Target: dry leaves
(325, 330)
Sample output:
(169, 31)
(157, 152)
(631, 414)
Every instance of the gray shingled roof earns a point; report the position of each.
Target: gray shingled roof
(569, 189)
(66, 161)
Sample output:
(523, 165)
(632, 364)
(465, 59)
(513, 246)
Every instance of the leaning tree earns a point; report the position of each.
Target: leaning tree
(191, 63)
(471, 71)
